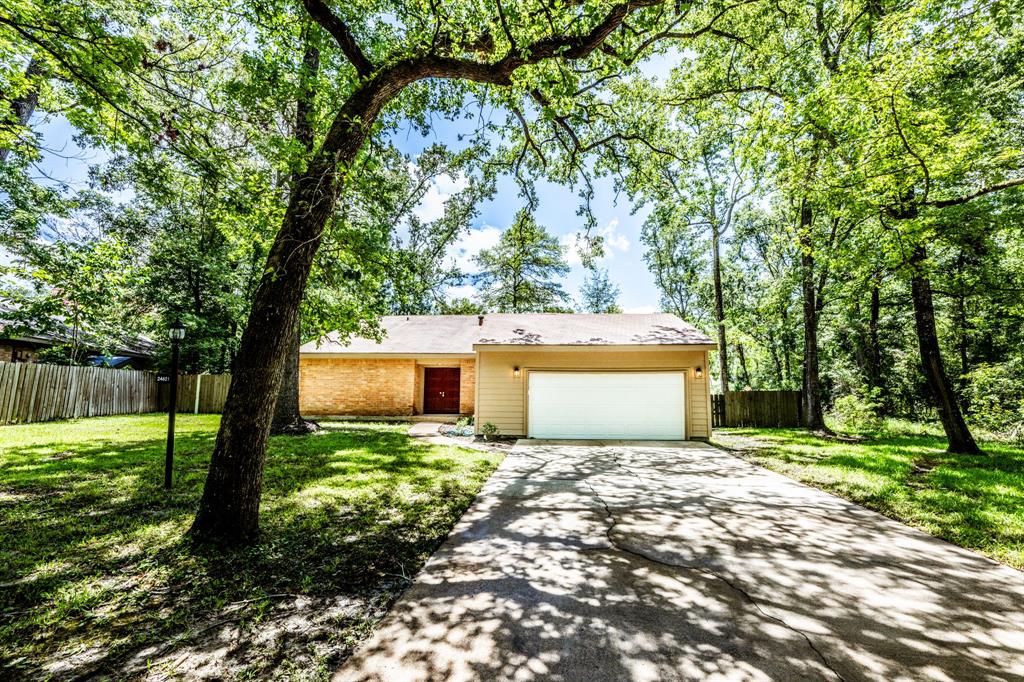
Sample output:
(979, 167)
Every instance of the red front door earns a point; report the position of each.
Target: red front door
(441, 390)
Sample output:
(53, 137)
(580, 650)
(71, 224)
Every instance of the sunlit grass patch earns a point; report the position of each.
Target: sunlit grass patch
(97, 578)
(905, 473)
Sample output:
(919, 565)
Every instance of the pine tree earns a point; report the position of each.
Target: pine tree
(518, 274)
(599, 293)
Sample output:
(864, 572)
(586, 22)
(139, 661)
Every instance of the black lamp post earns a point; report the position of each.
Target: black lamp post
(177, 333)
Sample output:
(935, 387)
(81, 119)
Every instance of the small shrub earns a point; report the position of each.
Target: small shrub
(489, 430)
(464, 421)
(856, 413)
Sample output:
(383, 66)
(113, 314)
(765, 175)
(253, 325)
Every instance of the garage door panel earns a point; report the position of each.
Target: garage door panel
(626, 405)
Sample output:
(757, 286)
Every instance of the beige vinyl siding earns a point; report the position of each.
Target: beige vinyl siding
(698, 402)
(501, 398)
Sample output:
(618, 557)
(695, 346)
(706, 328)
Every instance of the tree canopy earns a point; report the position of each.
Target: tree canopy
(832, 189)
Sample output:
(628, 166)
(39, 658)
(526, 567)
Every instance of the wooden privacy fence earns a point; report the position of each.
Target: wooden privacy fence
(756, 408)
(198, 393)
(35, 393)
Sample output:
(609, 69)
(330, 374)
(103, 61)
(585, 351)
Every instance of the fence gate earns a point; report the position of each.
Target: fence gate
(756, 408)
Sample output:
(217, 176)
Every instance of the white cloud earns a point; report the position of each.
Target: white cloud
(613, 241)
(461, 291)
(471, 243)
(446, 184)
(431, 206)
(642, 310)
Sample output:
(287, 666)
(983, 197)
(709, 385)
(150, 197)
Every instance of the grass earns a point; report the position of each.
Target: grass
(96, 578)
(904, 472)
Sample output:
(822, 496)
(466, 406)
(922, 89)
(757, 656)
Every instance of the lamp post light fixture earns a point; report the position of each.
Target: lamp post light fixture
(176, 333)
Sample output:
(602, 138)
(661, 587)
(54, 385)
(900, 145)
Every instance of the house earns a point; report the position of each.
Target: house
(533, 375)
(134, 354)
(18, 344)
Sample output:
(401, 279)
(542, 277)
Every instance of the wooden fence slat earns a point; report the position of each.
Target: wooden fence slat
(755, 408)
(39, 392)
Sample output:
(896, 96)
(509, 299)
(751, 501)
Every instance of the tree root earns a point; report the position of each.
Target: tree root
(298, 427)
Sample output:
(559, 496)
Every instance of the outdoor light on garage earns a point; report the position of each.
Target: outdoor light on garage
(515, 372)
(699, 372)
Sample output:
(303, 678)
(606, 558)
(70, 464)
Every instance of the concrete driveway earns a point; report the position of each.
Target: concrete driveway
(676, 561)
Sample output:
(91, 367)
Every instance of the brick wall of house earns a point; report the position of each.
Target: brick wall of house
(358, 387)
(467, 386)
(6, 352)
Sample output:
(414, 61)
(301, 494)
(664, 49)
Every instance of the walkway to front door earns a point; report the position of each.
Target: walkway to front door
(441, 390)
(677, 561)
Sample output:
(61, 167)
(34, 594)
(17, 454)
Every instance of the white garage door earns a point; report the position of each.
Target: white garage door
(608, 405)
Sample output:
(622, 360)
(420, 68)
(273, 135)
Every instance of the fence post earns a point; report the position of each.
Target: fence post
(199, 382)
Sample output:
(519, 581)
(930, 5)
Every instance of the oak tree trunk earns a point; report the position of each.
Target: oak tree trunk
(787, 346)
(959, 436)
(287, 418)
(814, 417)
(716, 266)
(743, 365)
(229, 509)
(874, 349)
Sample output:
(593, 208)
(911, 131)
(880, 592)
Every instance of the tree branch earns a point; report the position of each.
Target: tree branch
(322, 14)
(957, 201)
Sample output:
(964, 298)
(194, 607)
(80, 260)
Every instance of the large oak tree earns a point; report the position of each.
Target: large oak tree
(529, 52)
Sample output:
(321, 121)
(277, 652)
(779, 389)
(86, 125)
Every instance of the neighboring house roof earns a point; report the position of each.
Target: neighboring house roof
(460, 334)
(133, 346)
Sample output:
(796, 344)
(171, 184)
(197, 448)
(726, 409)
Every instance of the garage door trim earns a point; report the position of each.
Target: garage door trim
(685, 371)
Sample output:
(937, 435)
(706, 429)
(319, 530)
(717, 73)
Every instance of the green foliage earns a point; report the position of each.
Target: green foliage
(459, 306)
(896, 126)
(997, 398)
(78, 290)
(854, 413)
(517, 275)
(599, 294)
(93, 555)
(488, 429)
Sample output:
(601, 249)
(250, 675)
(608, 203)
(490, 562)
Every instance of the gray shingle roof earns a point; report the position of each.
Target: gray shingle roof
(457, 334)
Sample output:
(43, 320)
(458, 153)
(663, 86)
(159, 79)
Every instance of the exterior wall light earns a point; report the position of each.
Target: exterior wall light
(515, 372)
(699, 372)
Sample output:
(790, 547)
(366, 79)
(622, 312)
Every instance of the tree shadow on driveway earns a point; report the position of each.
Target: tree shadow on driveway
(680, 562)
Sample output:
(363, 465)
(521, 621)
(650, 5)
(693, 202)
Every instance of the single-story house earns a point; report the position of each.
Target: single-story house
(532, 375)
(133, 353)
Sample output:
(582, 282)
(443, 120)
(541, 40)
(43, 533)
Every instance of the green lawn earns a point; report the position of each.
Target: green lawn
(95, 577)
(905, 473)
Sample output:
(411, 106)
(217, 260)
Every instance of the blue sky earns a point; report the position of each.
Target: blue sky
(556, 210)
